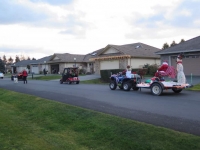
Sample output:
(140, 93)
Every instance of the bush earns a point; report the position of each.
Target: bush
(82, 71)
(150, 69)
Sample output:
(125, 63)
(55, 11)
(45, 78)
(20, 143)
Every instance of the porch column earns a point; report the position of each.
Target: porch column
(88, 67)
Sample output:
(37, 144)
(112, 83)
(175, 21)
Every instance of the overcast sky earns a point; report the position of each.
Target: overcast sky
(38, 28)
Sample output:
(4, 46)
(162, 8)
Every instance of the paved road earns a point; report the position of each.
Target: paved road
(180, 112)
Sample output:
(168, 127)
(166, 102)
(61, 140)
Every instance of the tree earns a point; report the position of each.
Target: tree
(4, 59)
(182, 40)
(28, 58)
(165, 46)
(33, 58)
(10, 60)
(2, 66)
(173, 44)
(17, 58)
(22, 58)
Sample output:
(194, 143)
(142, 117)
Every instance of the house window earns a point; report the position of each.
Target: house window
(187, 56)
(195, 56)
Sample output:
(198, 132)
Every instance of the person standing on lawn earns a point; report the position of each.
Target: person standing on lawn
(25, 74)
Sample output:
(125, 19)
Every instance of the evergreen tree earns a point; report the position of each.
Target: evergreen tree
(33, 58)
(4, 59)
(28, 58)
(173, 44)
(182, 40)
(165, 46)
(10, 60)
(2, 66)
(17, 58)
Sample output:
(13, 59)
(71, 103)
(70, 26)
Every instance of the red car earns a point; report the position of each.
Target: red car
(18, 75)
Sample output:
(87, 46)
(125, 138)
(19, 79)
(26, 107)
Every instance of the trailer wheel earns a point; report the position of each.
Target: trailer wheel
(177, 90)
(156, 89)
(113, 85)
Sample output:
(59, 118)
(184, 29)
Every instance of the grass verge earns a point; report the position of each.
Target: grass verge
(33, 123)
(195, 88)
(46, 78)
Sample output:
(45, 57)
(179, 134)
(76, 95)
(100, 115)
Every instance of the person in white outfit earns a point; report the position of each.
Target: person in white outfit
(128, 72)
(180, 74)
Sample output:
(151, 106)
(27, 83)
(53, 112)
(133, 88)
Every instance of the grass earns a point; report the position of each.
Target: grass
(32, 123)
(195, 88)
(46, 78)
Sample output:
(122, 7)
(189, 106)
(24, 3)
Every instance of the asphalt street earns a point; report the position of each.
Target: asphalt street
(179, 112)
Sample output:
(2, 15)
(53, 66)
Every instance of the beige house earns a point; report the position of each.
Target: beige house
(119, 56)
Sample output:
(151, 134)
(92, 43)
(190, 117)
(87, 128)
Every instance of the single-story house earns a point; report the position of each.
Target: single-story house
(191, 51)
(21, 65)
(119, 56)
(39, 65)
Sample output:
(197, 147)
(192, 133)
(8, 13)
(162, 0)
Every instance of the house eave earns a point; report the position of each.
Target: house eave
(181, 51)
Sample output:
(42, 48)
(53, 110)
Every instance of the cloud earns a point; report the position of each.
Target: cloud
(53, 2)
(14, 12)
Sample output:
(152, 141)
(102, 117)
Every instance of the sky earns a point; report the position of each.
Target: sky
(39, 28)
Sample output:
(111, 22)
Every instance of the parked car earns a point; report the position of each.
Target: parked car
(18, 75)
(123, 82)
(70, 75)
(1, 75)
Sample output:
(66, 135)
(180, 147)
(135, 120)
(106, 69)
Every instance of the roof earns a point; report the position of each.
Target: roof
(139, 50)
(42, 60)
(23, 63)
(192, 45)
(66, 57)
(92, 55)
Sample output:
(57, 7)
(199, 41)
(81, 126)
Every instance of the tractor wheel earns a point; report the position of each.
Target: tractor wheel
(126, 86)
(113, 85)
(77, 82)
(156, 89)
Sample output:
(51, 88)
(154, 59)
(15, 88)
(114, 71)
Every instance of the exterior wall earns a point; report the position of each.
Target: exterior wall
(111, 50)
(20, 69)
(123, 63)
(140, 62)
(97, 67)
(109, 64)
(190, 63)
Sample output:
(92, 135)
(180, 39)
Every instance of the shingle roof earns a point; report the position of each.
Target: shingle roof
(92, 55)
(42, 60)
(66, 57)
(134, 50)
(23, 63)
(192, 45)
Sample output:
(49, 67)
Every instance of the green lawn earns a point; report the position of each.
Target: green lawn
(32, 123)
(46, 78)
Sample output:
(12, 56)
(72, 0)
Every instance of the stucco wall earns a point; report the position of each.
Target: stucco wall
(140, 62)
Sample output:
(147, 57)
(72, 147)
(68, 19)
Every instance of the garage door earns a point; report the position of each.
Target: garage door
(35, 69)
(190, 64)
(114, 64)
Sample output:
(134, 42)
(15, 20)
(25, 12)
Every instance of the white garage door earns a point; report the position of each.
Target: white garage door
(114, 64)
(35, 69)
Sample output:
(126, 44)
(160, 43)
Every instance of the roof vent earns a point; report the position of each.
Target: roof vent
(93, 54)
(138, 46)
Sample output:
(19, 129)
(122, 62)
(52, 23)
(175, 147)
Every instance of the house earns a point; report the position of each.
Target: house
(39, 65)
(21, 65)
(191, 51)
(58, 62)
(119, 56)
